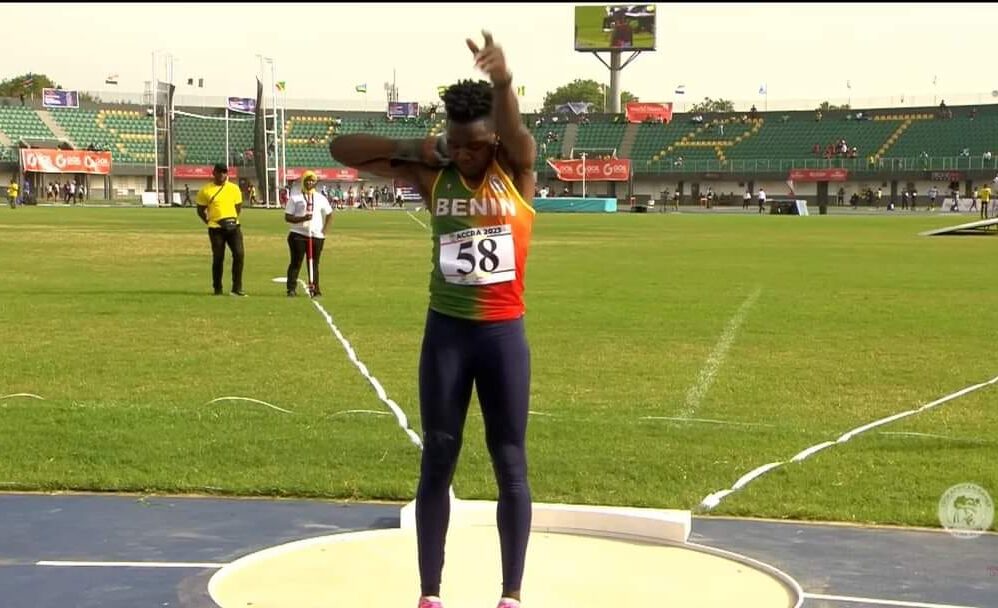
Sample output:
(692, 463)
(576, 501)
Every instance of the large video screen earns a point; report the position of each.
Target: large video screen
(617, 27)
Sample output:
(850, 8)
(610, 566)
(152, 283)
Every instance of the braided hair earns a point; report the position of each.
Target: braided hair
(468, 101)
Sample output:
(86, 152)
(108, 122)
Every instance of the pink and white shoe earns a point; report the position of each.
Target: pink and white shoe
(508, 602)
(430, 602)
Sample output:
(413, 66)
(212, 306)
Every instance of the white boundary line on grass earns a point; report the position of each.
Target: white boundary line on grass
(372, 412)
(400, 416)
(696, 393)
(705, 421)
(416, 219)
(234, 398)
(30, 395)
(712, 500)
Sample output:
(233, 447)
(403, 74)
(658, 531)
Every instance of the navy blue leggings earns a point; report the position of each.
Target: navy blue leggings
(495, 357)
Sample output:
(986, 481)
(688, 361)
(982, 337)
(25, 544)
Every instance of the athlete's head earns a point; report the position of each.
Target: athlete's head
(220, 173)
(471, 136)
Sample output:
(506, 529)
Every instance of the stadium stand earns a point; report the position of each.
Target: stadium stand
(892, 138)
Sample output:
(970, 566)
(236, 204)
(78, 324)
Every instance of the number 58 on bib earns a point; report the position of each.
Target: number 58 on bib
(478, 256)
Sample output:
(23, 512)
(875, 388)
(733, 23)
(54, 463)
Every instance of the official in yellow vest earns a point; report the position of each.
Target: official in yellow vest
(219, 205)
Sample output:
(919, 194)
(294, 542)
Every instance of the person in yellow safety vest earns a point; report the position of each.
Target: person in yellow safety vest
(984, 193)
(12, 190)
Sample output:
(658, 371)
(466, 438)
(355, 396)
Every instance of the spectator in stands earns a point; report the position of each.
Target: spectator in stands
(854, 200)
(973, 113)
(817, 116)
(219, 205)
(679, 162)
(965, 152)
(853, 153)
(987, 155)
(816, 149)
(944, 112)
(753, 113)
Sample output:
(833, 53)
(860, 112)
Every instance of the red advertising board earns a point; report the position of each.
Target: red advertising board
(41, 160)
(819, 175)
(610, 170)
(640, 112)
(327, 174)
(199, 171)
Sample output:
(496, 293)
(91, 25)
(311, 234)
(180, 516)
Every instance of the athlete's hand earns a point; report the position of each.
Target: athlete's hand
(491, 60)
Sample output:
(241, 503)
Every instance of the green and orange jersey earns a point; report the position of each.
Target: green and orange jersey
(480, 240)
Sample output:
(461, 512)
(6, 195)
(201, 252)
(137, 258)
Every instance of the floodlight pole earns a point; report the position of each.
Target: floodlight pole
(615, 67)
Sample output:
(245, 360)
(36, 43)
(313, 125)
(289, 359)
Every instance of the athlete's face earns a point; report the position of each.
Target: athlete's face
(471, 146)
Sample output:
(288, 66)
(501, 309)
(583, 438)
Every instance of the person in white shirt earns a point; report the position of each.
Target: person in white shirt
(309, 214)
(762, 200)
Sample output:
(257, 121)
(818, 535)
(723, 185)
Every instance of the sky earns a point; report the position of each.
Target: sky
(798, 53)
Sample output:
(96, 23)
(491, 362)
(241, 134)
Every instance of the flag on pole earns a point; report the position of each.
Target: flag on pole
(111, 79)
(361, 88)
(934, 78)
(762, 89)
(521, 90)
(27, 82)
(681, 89)
(441, 89)
(281, 85)
(849, 84)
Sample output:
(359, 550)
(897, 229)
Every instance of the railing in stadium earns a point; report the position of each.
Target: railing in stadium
(757, 165)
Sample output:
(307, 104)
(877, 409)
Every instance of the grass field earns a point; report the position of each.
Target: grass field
(106, 313)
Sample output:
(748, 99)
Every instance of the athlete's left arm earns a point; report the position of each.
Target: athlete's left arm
(517, 141)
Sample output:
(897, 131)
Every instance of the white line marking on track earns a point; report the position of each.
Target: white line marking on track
(233, 398)
(29, 395)
(66, 564)
(879, 602)
(416, 219)
(713, 499)
(696, 393)
(400, 416)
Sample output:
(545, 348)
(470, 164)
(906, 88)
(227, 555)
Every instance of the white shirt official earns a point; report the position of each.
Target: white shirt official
(321, 209)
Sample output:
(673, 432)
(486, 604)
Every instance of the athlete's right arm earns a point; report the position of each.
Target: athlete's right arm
(414, 160)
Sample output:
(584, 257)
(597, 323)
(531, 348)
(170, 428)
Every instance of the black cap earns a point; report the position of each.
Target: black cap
(221, 168)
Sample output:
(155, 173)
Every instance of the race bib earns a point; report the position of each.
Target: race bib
(478, 256)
